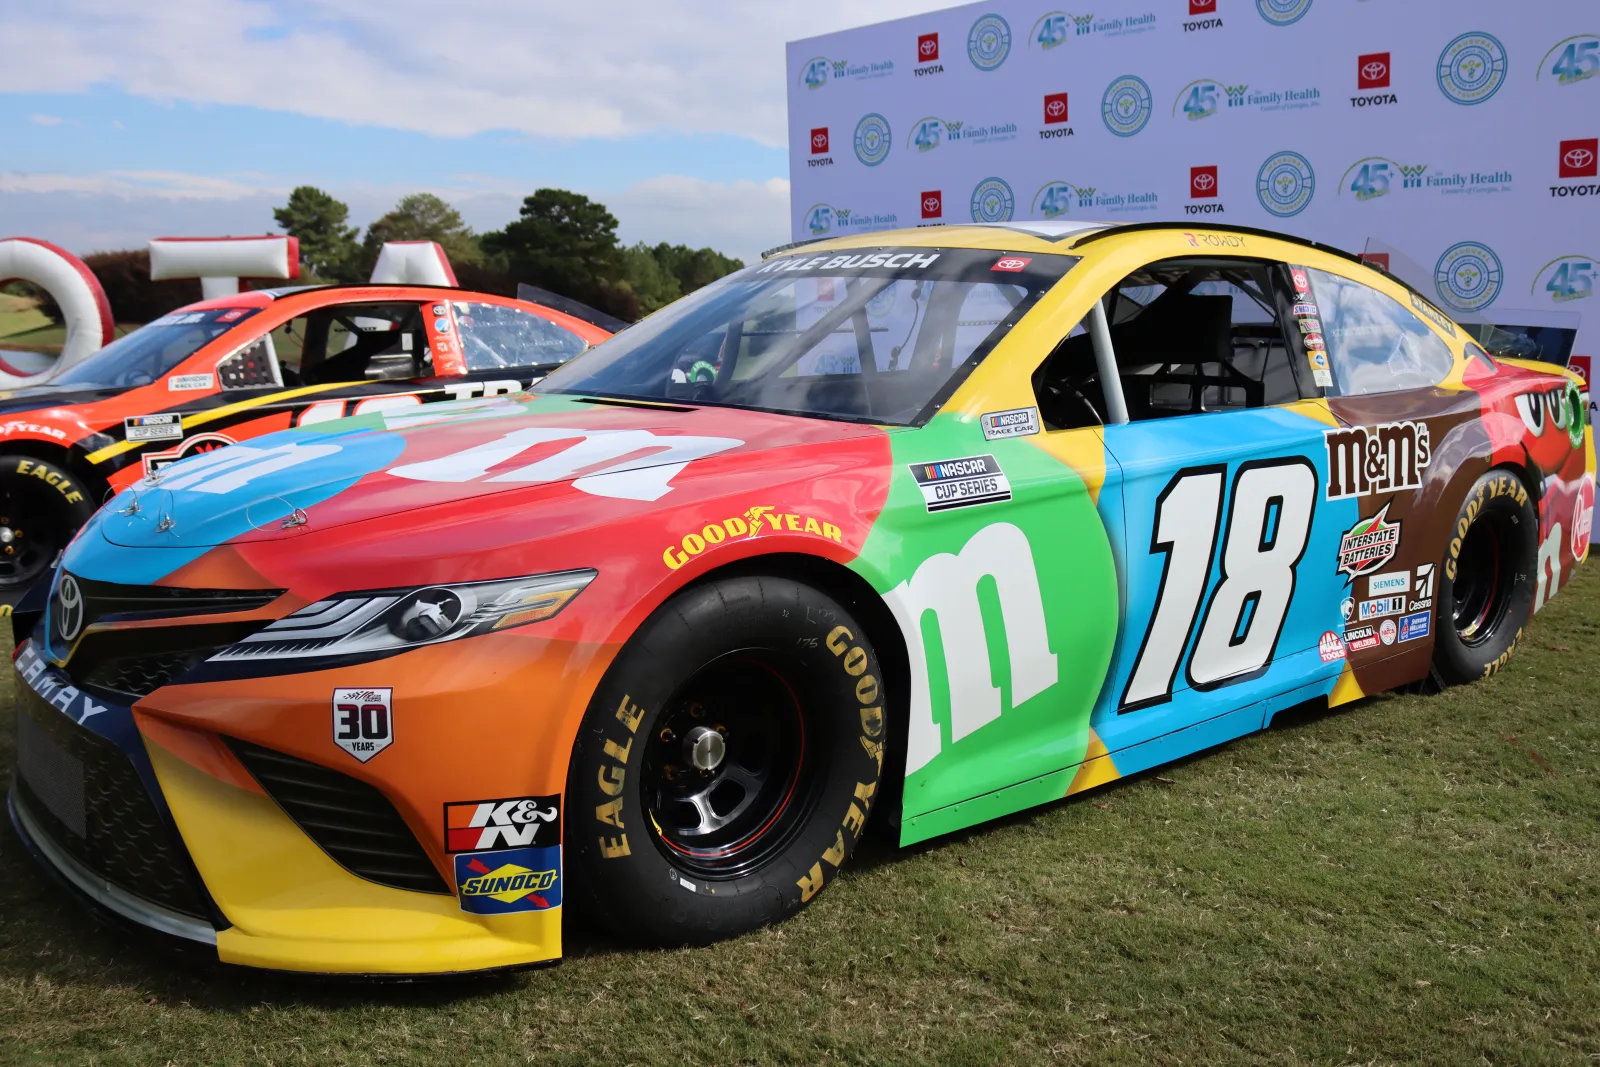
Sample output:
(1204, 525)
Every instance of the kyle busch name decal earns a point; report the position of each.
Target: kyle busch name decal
(515, 822)
(961, 483)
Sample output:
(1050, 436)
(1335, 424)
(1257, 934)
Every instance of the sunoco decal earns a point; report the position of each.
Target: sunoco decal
(960, 483)
(503, 883)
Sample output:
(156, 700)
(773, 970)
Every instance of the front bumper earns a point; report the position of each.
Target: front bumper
(159, 824)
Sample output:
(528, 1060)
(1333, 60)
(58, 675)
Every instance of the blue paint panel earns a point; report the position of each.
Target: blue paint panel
(1148, 456)
(216, 497)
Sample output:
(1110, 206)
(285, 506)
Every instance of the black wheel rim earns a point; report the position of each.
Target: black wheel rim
(1482, 590)
(726, 819)
(31, 533)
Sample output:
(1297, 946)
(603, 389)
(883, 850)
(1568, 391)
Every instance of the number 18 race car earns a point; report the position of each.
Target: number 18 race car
(943, 524)
(236, 367)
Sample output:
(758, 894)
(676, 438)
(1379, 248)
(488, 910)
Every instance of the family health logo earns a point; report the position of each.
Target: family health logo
(930, 132)
(989, 42)
(818, 71)
(1468, 276)
(1056, 28)
(1285, 184)
(1204, 97)
(1576, 59)
(1472, 68)
(1058, 197)
(1373, 177)
(1283, 12)
(1126, 105)
(1566, 278)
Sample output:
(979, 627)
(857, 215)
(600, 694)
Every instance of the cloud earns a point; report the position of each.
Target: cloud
(714, 66)
(46, 120)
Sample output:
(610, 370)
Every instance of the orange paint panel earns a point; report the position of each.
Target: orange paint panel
(200, 749)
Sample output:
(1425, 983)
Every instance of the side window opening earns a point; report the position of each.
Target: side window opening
(363, 342)
(1375, 344)
(496, 336)
(1190, 336)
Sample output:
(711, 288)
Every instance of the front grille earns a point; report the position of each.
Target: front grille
(127, 663)
(90, 801)
(350, 820)
(132, 677)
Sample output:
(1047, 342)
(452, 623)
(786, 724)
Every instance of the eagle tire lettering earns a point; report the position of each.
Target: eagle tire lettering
(651, 858)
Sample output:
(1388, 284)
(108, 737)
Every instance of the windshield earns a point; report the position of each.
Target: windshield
(875, 335)
(152, 350)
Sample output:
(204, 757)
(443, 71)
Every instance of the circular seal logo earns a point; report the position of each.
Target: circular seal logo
(989, 42)
(68, 608)
(872, 139)
(1126, 106)
(1472, 68)
(1285, 184)
(992, 201)
(1468, 276)
(1283, 12)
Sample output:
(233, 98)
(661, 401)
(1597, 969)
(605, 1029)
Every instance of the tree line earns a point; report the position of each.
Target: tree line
(561, 241)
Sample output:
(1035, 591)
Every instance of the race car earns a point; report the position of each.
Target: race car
(236, 367)
(947, 523)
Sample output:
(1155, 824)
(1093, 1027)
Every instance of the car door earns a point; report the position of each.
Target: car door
(1216, 507)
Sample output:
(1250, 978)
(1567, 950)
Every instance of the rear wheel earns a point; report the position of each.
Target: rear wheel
(727, 763)
(1486, 591)
(42, 504)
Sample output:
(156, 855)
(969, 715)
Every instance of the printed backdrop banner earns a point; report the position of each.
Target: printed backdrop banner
(1458, 139)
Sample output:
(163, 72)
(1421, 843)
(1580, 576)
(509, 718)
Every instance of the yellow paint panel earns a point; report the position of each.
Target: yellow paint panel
(1083, 450)
(1097, 769)
(1315, 410)
(294, 908)
(1345, 689)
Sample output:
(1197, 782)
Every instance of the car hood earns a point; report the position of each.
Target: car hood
(604, 456)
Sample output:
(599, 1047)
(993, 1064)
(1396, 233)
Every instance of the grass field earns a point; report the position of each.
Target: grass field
(1409, 880)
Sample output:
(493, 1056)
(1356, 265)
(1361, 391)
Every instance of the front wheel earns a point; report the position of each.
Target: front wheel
(42, 504)
(727, 763)
(1486, 591)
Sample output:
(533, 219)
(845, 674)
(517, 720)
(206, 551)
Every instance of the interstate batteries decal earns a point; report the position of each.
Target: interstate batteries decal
(961, 483)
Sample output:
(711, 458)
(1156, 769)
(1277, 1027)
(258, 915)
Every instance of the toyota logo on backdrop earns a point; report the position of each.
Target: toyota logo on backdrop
(1202, 7)
(1372, 71)
(933, 204)
(819, 141)
(1202, 182)
(927, 48)
(1578, 158)
(68, 608)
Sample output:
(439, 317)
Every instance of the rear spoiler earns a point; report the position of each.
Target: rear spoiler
(567, 306)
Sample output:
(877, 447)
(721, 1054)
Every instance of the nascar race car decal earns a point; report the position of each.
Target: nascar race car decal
(671, 640)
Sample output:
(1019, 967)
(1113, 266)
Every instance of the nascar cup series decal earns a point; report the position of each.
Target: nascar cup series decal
(961, 483)
(153, 427)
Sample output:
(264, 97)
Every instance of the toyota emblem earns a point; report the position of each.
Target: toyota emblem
(1373, 71)
(68, 608)
(1579, 157)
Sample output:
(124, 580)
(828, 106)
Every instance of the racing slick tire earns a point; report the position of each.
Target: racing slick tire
(727, 763)
(1486, 585)
(42, 504)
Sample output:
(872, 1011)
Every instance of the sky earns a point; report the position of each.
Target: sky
(122, 120)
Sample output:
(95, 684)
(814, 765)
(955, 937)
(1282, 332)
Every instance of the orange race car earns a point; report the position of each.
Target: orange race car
(235, 367)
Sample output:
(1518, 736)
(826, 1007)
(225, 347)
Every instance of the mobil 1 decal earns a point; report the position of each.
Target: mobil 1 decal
(961, 483)
(1250, 537)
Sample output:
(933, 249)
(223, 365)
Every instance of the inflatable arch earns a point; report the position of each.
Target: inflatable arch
(76, 291)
